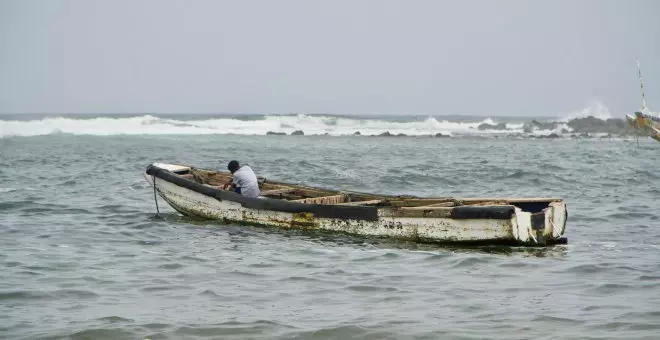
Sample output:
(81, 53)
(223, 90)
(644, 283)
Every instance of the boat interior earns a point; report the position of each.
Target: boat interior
(312, 195)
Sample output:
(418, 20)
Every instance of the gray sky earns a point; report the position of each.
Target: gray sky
(527, 57)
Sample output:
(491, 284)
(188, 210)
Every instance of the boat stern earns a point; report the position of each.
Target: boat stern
(542, 227)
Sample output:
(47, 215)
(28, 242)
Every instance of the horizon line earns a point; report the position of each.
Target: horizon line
(277, 114)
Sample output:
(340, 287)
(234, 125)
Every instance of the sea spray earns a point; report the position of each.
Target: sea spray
(181, 125)
(593, 118)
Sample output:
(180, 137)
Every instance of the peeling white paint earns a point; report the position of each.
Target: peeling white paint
(523, 226)
(518, 228)
(558, 218)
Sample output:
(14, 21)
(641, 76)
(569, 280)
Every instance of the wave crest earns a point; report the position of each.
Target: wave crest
(594, 108)
(310, 124)
(594, 118)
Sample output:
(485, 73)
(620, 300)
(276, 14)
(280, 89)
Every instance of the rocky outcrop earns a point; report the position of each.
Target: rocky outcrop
(486, 126)
(389, 134)
(536, 125)
(551, 136)
(583, 126)
(297, 133)
(594, 125)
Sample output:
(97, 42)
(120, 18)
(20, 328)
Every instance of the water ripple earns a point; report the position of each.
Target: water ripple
(93, 264)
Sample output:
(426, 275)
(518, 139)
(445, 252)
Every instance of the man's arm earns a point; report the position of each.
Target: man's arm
(228, 184)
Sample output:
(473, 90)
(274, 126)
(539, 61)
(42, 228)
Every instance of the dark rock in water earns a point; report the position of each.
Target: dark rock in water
(486, 126)
(580, 126)
(439, 134)
(536, 125)
(592, 124)
(388, 134)
(552, 135)
(357, 133)
(271, 133)
(297, 133)
(587, 124)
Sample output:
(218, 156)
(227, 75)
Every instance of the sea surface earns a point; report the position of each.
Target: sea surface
(84, 255)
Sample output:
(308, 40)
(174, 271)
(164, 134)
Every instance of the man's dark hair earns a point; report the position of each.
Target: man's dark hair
(233, 166)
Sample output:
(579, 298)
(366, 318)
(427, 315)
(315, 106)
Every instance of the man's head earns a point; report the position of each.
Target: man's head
(233, 166)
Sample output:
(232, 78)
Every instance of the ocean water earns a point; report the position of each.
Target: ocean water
(85, 256)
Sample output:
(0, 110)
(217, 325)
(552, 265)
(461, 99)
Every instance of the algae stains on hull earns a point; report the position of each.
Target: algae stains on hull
(437, 224)
(303, 220)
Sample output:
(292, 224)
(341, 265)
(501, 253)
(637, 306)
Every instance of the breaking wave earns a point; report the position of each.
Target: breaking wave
(594, 118)
(310, 124)
(594, 108)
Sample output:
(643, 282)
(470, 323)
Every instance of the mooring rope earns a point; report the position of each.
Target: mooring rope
(153, 183)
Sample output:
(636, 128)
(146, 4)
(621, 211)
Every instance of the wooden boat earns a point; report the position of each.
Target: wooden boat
(645, 122)
(525, 221)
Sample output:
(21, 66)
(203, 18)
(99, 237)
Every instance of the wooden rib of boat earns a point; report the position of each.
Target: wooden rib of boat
(525, 221)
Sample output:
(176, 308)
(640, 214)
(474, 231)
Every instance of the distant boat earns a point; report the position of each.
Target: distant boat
(522, 221)
(645, 121)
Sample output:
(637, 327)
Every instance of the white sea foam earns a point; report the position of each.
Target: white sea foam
(310, 124)
(593, 108)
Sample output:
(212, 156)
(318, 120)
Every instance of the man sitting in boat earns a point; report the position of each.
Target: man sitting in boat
(243, 180)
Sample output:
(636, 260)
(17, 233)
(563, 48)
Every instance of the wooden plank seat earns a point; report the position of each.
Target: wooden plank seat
(370, 202)
(277, 191)
(334, 199)
(443, 204)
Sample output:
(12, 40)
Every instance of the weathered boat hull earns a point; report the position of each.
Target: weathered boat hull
(497, 224)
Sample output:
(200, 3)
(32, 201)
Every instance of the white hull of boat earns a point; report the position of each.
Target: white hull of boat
(518, 229)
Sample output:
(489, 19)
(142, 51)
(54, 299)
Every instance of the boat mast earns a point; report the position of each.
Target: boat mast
(641, 86)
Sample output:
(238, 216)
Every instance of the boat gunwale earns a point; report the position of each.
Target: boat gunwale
(397, 197)
(347, 212)
(368, 213)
